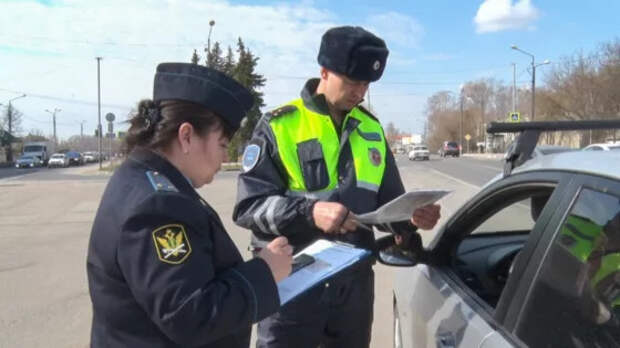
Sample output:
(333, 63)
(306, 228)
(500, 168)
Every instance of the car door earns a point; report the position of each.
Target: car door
(573, 299)
(454, 300)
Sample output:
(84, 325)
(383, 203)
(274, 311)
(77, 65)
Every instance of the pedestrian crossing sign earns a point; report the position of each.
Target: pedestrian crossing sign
(514, 117)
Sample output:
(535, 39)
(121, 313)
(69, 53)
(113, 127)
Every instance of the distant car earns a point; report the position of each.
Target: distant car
(75, 158)
(26, 161)
(449, 148)
(58, 160)
(602, 147)
(419, 152)
(90, 157)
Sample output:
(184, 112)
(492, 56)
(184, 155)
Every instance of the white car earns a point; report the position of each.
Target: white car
(603, 147)
(419, 151)
(58, 160)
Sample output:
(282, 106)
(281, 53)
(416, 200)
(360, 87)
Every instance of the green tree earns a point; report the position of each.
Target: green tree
(11, 122)
(214, 57)
(195, 57)
(245, 73)
(243, 70)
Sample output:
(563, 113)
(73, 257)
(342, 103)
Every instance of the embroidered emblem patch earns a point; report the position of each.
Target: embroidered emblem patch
(171, 244)
(377, 65)
(250, 157)
(375, 156)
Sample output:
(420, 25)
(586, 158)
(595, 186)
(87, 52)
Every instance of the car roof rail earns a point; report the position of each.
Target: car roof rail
(530, 132)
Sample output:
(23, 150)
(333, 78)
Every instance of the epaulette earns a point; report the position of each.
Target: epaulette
(283, 110)
(367, 112)
(160, 182)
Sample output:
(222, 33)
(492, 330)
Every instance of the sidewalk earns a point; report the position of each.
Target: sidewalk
(485, 156)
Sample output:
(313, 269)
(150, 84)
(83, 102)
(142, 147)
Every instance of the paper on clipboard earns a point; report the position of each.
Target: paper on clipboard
(402, 207)
(329, 259)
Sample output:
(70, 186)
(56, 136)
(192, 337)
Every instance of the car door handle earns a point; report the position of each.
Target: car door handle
(446, 340)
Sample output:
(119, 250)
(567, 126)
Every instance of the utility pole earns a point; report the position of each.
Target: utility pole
(461, 127)
(54, 123)
(82, 128)
(99, 111)
(514, 87)
(534, 65)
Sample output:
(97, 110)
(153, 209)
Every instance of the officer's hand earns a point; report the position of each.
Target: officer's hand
(426, 217)
(333, 217)
(278, 255)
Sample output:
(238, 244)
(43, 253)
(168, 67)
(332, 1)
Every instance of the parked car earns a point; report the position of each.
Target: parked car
(58, 160)
(602, 147)
(419, 151)
(26, 161)
(90, 157)
(75, 158)
(449, 148)
(532, 260)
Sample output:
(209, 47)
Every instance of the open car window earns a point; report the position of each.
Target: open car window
(493, 234)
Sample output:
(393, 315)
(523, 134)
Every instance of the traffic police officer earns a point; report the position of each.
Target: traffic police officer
(310, 167)
(162, 270)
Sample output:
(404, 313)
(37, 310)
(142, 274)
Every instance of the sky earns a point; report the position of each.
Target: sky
(48, 48)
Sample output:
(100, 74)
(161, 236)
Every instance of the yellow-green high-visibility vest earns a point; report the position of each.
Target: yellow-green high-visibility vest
(297, 129)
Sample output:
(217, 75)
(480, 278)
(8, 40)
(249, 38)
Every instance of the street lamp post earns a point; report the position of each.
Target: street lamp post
(100, 142)
(9, 152)
(211, 24)
(54, 123)
(534, 65)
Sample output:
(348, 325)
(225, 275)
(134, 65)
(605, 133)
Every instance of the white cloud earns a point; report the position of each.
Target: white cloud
(498, 15)
(50, 50)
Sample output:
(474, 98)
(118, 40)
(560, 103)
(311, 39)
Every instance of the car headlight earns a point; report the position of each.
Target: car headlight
(31, 164)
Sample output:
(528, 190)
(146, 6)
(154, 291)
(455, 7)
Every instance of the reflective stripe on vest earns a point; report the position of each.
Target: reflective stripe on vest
(367, 144)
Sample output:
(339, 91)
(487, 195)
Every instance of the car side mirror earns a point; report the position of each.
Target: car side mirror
(392, 254)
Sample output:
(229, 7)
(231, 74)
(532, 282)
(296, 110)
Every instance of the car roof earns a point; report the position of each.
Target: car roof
(604, 163)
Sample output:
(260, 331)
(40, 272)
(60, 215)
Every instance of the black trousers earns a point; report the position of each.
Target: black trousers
(337, 313)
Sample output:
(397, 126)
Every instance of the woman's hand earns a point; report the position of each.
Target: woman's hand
(278, 255)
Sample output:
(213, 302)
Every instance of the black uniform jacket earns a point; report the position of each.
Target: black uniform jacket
(162, 270)
(262, 204)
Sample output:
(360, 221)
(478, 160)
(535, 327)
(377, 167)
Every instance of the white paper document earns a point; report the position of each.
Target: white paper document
(329, 259)
(402, 207)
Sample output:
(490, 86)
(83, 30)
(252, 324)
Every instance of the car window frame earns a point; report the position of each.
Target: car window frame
(580, 181)
(441, 248)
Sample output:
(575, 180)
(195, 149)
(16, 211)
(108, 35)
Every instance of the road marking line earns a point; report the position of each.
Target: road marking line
(455, 179)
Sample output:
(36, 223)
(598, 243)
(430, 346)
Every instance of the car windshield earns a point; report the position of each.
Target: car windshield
(452, 144)
(58, 156)
(26, 158)
(420, 148)
(614, 147)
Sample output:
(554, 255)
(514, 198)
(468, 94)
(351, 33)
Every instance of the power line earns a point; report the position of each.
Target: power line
(66, 100)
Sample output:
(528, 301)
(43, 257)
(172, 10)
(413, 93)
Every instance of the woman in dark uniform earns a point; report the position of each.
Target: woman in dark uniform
(162, 270)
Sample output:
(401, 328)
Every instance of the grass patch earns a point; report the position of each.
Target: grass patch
(231, 166)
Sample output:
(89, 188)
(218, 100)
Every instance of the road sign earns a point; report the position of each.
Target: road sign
(467, 137)
(514, 117)
(110, 117)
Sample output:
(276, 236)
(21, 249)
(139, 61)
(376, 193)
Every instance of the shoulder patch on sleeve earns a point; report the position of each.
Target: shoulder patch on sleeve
(364, 110)
(251, 155)
(171, 244)
(160, 182)
(281, 111)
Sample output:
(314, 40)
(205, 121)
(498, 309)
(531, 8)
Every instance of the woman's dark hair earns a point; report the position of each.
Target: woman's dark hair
(155, 125)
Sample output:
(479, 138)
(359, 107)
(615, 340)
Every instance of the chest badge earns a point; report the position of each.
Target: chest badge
(375, 156)
(171, 244)
(250, 157)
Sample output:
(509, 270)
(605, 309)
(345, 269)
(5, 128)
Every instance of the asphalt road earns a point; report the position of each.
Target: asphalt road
(45, 222)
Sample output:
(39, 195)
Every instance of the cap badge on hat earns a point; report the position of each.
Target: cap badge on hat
(377, 65)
